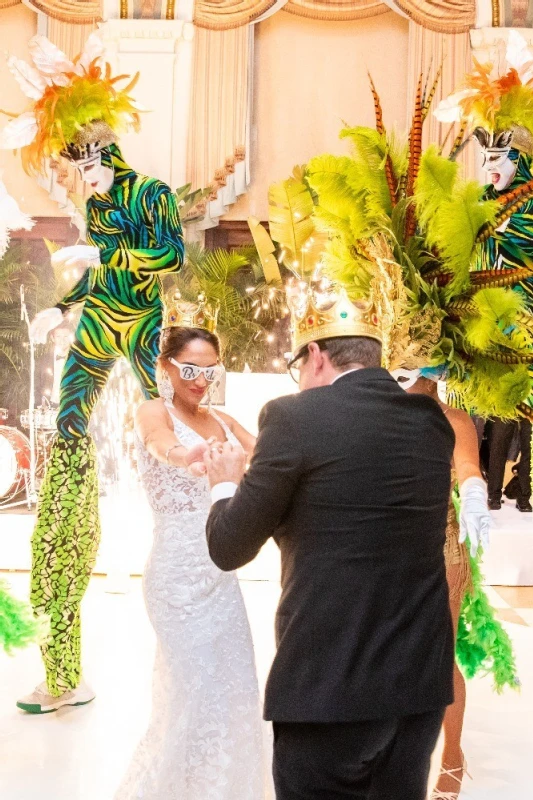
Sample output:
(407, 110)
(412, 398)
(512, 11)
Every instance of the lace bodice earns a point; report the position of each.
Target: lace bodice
(170, 488)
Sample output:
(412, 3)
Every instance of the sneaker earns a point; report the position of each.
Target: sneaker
(494, 504)
(523, 505)
(40, 702)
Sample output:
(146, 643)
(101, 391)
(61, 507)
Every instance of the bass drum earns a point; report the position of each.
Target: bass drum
(14, 461)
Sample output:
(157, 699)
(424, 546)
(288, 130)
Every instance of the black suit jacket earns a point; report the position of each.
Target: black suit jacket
(353, 482)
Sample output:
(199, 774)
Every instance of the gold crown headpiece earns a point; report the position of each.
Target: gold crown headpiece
(322, 310)
(182, 314)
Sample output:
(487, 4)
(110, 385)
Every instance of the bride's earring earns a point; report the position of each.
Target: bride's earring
(164, 386)
(211, 393)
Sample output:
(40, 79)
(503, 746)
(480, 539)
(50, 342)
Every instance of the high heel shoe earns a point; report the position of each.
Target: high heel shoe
(436, 794)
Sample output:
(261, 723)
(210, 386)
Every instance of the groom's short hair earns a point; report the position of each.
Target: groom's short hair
(346, 351)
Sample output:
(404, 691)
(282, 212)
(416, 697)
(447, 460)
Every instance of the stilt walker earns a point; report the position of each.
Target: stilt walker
(496, 107)
(134, 236)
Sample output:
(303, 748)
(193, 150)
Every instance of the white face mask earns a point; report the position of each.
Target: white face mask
(499, 167)
(406, 377)
(92, 171)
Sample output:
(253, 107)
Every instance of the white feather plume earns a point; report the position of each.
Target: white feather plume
(94, 48)
(29, 79)
(519, 56)
(11, 218)
(449, 109)
(19, 132)
(50, 60)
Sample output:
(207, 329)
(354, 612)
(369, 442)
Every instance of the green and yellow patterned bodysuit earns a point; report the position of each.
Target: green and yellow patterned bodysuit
(137, 229)
(512, 248)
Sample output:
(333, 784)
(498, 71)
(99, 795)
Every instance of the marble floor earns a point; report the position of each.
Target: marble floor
(80, 754)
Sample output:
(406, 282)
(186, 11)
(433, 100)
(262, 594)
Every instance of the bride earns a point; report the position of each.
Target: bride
(204, 741)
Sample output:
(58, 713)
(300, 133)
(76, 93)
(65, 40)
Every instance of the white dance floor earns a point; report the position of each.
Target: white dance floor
(80, 754)
(127, 537)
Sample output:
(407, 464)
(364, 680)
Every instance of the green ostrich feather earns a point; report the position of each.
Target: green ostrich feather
(483, 645)
(451, 212)
(18, 626)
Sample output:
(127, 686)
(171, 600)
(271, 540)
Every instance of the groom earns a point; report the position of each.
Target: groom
(343, 479)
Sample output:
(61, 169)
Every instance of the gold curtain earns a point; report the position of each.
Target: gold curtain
(442, 16)
(427, 50)
(69, 37)
(219, 15)
(336, 10)
(219, 106)
(78, 12)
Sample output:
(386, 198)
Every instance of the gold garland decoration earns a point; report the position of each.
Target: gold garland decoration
(336, 10)
(8, 3)
(220, 177)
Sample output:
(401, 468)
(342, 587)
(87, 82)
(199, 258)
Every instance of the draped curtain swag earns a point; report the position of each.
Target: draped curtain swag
(442, 16)
(78, 12)
(336, 10)
(219, 15)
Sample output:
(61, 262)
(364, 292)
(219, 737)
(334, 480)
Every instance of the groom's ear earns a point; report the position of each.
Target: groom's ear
(316, 355)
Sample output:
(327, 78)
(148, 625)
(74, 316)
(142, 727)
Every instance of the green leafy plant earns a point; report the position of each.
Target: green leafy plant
(190, 203)
(16, 269)
(252, 318)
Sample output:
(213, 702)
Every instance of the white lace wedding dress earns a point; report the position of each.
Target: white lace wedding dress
(205, 737)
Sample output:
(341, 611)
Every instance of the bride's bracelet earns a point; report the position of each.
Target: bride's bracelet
(170, 449)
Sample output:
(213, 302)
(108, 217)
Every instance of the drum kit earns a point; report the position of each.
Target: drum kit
(15, 453)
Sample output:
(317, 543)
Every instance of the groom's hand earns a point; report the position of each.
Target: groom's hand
(225, 463)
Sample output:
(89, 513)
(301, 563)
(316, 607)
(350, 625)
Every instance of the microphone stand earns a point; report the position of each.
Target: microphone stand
(31, 492)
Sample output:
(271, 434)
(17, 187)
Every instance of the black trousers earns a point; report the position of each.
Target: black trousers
(501, 437)
(375, 760)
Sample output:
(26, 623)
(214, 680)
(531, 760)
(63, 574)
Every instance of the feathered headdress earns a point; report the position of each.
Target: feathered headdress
(400, 228)
(497, 102)
(405, 227)
(77, 107)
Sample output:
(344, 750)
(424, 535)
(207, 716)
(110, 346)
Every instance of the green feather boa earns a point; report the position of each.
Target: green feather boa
(18, 626)
(483, 645)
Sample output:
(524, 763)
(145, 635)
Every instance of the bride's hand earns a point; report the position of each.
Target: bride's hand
(197, 468)
(194, 457)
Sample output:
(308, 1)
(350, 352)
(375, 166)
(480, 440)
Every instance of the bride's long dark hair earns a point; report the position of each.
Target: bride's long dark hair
(173, 341)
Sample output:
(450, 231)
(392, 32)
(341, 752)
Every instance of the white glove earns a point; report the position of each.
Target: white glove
(475, 520)
(44, 322)
(79, 255)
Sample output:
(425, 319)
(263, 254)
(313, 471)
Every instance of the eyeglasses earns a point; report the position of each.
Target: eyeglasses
(191, 372)
(293, 369)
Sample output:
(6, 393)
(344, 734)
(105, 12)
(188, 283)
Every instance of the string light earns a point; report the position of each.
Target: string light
(270, 337)
(113, 427)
